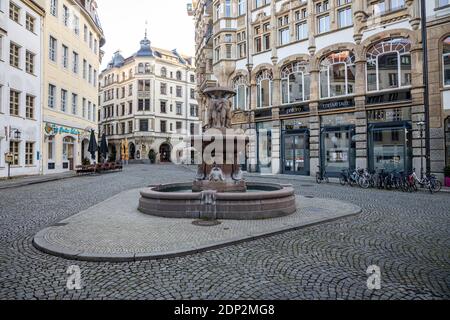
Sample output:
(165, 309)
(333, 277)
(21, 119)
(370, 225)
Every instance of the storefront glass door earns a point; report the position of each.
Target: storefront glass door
(296, 157)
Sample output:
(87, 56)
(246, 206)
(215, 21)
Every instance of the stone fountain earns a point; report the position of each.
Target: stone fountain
(219, 190)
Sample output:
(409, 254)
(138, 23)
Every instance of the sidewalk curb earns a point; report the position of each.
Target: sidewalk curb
(28, 183)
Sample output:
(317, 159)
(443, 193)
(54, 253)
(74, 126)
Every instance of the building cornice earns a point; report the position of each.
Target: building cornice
(34, 6)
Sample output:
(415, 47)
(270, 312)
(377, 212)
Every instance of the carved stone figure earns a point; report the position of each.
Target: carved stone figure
(216, 175)
(237, 175)
(219, 115)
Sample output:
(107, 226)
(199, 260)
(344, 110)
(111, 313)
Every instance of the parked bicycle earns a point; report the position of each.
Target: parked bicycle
(429, 181)
(321, 176)
(345, 178)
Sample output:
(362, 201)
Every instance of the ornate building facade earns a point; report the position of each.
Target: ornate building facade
(333, 83)
(148, 100)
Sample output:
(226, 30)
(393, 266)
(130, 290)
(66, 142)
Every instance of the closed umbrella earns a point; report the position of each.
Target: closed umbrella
(103, 146)
(93, 147)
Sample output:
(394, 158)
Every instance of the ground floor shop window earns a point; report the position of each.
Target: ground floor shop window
(390, 140)
(338, 150)
(390, 149)
(337, 141)
(264, 148)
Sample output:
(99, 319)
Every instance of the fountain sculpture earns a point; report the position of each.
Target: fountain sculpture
(219, 190)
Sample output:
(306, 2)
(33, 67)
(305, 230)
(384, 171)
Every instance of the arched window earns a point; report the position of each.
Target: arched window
(123, 76)
(337, 74)
(446, 61)
(147, 68)
(240, 99)
(389, 65)
(163, 72)
(264, 88)
(295, 82)
(130, 73)
(178, 75)
(141, 68)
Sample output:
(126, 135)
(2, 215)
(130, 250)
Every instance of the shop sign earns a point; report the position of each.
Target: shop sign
(338, 104)
(266, 113)
(389, 115)
(52, 129)
(296, 109)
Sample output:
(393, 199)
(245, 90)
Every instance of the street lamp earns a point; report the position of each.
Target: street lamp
(17, 134)
(421, 125)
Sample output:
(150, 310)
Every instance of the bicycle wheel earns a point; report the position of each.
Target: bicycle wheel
(342, 180)
(318, 178)
(436, 186)
(363, 183)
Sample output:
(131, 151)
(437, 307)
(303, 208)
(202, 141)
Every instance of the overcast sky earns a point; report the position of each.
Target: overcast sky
(123, 23)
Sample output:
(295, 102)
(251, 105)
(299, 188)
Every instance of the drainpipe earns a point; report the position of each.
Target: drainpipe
(425, 82)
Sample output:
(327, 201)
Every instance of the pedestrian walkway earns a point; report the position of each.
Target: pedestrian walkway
(28, 180)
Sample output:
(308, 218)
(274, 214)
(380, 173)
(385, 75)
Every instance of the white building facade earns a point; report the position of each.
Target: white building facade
(149, 101)
(20, 86)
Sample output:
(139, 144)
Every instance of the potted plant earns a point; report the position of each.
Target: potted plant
(86, 162)
(152, 156)
(447, 176)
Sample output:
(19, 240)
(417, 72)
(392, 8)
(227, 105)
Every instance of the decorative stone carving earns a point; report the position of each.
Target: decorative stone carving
(216, 174)
(219, 115)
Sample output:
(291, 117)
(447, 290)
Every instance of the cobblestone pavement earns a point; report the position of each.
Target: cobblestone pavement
(407, 235)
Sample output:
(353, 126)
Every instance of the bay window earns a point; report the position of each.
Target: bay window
(389, 65)
(337, 74)
(295, 83)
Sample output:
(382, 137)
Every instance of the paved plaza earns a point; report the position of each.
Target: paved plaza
(406, 235)
(114, 230)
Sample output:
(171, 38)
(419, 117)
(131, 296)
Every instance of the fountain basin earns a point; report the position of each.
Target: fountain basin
(261, 201)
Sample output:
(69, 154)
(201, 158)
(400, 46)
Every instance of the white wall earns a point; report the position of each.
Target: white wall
(19, 80)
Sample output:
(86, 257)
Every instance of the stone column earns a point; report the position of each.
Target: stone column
(333, 18)
(276, 140)
(418, 109)
(359, 15)
(314, 124)
(360, 114)
(312, 28)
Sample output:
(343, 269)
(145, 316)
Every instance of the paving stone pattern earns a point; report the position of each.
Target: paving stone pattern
(407, 235)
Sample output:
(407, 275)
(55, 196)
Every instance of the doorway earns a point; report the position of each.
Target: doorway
(68, 152)
(131, 151)
(164, 151)
(295, 153)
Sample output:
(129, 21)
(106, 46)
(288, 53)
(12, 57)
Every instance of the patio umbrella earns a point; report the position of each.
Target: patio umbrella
(103, 146)
(92, 145)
